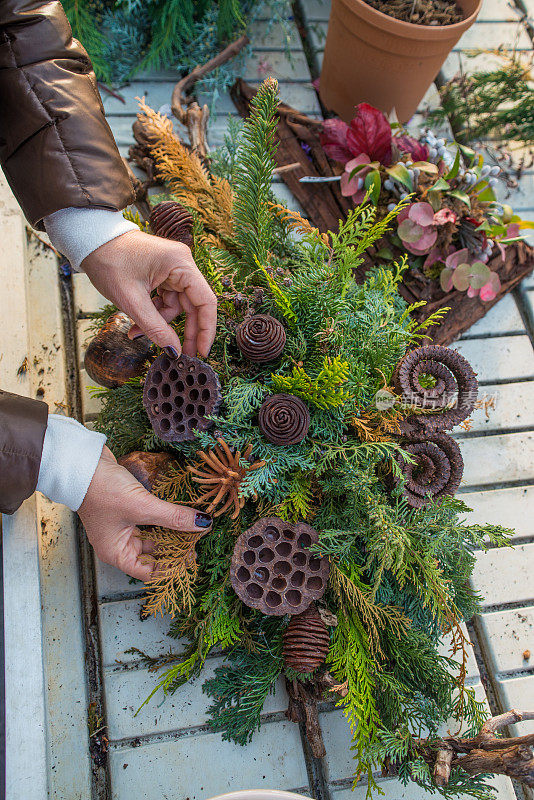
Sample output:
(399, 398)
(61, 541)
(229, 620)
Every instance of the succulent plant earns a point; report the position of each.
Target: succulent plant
(475, 278)
(417, 228)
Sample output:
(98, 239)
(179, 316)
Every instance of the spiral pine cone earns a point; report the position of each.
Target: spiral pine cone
(306, 641)
(437, 470)
(284, 419)
(452, 373)
(172, 221)
(261, 338)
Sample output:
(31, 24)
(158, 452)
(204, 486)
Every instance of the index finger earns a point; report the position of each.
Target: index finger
(200, 295)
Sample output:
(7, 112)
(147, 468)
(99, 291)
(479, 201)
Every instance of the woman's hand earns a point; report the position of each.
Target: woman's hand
(115, 503)
(127, 269)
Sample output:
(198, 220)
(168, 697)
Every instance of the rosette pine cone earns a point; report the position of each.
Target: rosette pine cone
(273, 570)
(306, 641)
(455, 386)
(437, 470)
(172, 221)
(261, 338)
(178, 395)
(284, 419)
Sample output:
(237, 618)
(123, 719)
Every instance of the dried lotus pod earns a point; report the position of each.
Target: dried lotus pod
(306, 641)
(111, 358)
(273, 570)
(261, 338)
(455, 385)
(437, 471)
(284, 419)
(172, 221)
(147, 468)
(179, 394)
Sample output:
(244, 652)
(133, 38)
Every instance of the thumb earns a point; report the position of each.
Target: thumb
(148, 319)
(169, 515)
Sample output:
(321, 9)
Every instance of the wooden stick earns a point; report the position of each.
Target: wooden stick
(188, 112)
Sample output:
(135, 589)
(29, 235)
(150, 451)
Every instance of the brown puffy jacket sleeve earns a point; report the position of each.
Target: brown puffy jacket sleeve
(22, 428)
(56, 147)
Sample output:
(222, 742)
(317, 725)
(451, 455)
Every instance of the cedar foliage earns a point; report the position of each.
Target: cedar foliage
(399, 577)
(129, 35)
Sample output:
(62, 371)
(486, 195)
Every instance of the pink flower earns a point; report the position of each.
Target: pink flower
(444, 215)
(355, 187)
(416, 228)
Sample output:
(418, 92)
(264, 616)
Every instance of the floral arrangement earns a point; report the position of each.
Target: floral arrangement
(453, 221)
(339, 557)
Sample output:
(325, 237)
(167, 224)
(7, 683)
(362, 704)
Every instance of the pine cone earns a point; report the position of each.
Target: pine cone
(172, 221)
(306, 641)
(261, 338)
(284, 419)
(452, 373)
(437, 471)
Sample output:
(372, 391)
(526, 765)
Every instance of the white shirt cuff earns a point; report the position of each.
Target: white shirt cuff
(77, 232)
(69, 460)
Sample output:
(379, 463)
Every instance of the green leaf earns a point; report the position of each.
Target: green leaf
(453, 172)
(426, 166)
(359, 167)
(434, 198)
(386, 254)
(373, 182)
(480, 275)
(461, 196)
(440, 185)
(486, 195)
(400, 173)
(461, 277)
(468, 153)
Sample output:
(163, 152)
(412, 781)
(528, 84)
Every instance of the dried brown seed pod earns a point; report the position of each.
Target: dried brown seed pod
(179, 394)
(455, 384)
(172, 221)
(306, 641)
(437, 471)
(273, 569)
(147, 468)
(284, 419)
(111, 358)
(261, 338)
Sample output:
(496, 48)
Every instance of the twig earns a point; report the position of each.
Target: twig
(188, 112)
(484, 753)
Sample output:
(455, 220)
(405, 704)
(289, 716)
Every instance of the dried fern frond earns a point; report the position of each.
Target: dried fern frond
(298, 223)
(185, 174)
(171, 587)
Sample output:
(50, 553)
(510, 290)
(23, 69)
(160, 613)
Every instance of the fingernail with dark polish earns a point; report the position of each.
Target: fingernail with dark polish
(172, 352)
(202, 520)
(137, 336)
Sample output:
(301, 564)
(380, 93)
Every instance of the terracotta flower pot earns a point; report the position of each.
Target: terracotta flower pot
(371, 57)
